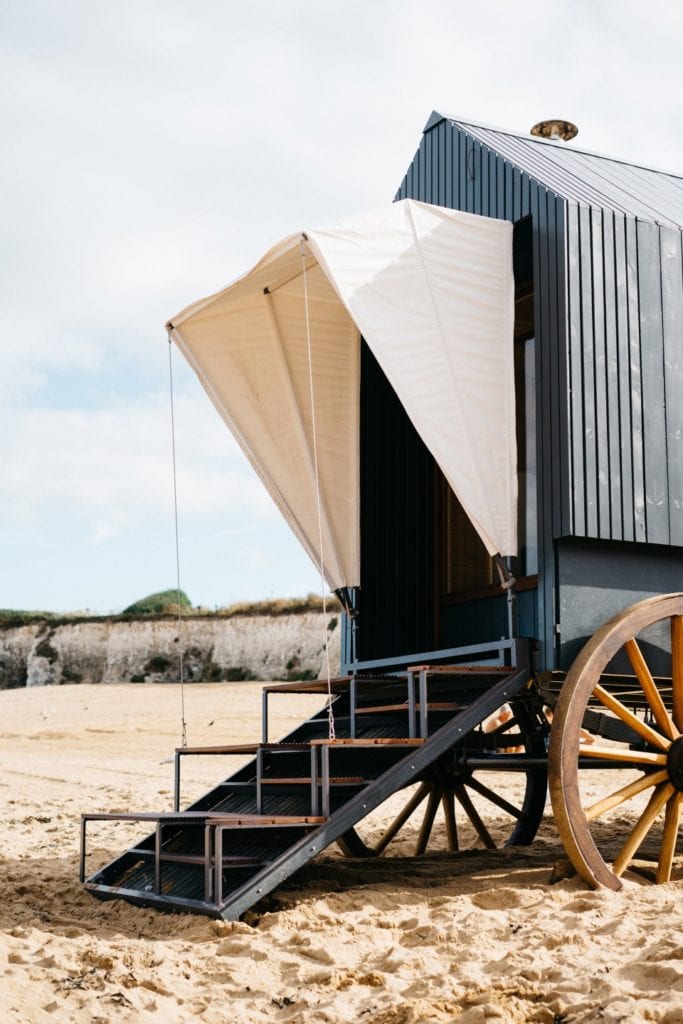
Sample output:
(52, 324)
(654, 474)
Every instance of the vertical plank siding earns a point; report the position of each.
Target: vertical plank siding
(672, 321)
(622, 455)
(397, 524)
(612, 393)
(635, 378)
(625, 358)
(590, 497)
(652, 368)
(562, 523)
(600, 376)
(575, 371)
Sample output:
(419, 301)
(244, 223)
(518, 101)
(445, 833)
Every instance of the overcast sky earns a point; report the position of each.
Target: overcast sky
(152, 151)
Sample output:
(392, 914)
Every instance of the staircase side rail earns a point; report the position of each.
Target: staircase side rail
(209, 821)
(351, 687)
(512, 653)
(237, 750)
(188, 818)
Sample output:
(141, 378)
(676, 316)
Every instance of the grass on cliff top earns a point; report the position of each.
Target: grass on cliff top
(158, 604)
(271, 608)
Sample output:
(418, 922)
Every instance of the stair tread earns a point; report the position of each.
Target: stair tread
(337, 685)
(337, 780)
(370, 741)
(231, 748)
(243, 748)
(198, 859)
(431, 706)
(340, 684)
(462, 669)
(210, 817)
(265, 819)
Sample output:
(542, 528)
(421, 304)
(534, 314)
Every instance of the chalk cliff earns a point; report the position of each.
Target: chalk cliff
(148, 649)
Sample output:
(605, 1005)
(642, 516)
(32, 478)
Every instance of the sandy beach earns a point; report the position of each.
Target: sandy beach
(470, 937)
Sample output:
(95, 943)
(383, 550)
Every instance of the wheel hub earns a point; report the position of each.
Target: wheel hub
(447, 771)
(674, 764)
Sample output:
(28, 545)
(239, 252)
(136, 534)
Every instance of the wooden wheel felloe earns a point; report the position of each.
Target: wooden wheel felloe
(631, 721)
(466, 798)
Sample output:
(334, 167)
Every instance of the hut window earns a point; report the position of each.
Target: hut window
(466, 565)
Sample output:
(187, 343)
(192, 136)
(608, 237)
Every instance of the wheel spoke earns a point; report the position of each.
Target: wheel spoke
(428, 822)
(662, 716)
(622, 754)
(677, 668)
(646, 719)
(625, 793)
(470, 810)
(671, 821)
(400, 819)
(627, 716)
(642, 827)
(488, 794)
(448, 804)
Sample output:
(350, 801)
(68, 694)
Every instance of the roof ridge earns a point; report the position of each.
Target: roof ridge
(469, 123)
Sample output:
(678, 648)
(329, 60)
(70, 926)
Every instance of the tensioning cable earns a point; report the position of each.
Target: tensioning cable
(323, 587)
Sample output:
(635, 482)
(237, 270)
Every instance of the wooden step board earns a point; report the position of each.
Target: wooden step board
(377, 709)
(221, 855)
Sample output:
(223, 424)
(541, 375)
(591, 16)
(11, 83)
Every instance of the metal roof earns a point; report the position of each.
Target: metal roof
(583, 177)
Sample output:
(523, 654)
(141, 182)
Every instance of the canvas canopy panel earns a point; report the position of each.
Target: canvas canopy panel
(432, 292)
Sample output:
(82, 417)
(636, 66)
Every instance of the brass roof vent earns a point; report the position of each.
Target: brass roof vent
(556, 130)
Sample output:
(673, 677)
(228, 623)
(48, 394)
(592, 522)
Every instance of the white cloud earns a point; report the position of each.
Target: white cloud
(153, 151)
(113, 465)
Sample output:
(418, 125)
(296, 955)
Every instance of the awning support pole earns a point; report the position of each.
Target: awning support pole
(346, 598)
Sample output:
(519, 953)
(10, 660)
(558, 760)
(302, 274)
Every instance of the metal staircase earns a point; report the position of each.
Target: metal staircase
(295, 797)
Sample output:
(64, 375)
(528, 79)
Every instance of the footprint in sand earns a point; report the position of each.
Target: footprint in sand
(653, 977)
(497, 899)
(235, 947)
(583, 904)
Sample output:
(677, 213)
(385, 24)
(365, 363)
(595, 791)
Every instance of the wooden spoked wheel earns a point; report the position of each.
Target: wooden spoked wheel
(465, 797)
(610, 718)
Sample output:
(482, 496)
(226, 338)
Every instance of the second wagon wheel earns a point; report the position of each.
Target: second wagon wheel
(614, 712)
(462, 787)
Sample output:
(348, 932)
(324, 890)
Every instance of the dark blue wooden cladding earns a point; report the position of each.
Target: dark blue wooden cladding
(602, 437)
(397, 525)
(625, 362)
(672, 324)
(587, 349)
(577, 460)
(616, 295)
(635, 376)
(652, 368)
(612, 391)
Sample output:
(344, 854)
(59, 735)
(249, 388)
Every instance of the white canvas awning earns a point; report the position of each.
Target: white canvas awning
(432, 292)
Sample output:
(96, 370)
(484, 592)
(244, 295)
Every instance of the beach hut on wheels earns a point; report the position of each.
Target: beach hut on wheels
(468, 405)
